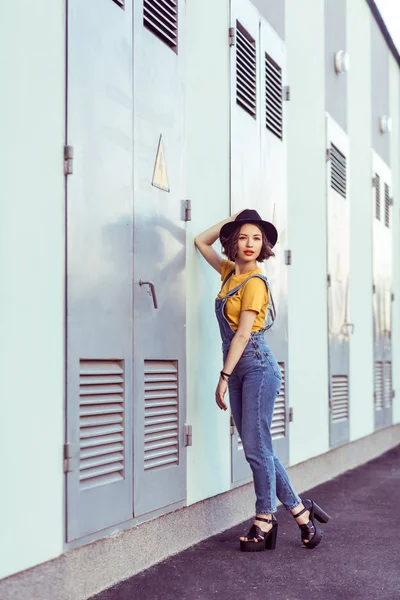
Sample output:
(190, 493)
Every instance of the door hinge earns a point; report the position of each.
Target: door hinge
(328, 154)
(392, 297)
(68, 160)
(188, 435)
(373, 288)
(288, 257)
(286, 93)
(330, 404)
(328, 280)
(232, 424)
(68, 456)
(188, 210)
(232, 36)
(290, 415)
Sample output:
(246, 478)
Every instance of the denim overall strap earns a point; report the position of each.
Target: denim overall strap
(226, 330)
(271, 312)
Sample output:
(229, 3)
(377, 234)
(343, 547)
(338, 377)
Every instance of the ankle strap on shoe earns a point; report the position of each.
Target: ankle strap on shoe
(300, 513)
(265, 520)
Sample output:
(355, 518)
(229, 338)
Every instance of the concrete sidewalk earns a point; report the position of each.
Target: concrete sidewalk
(358, 558)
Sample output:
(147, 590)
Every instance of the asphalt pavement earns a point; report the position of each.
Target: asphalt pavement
(358, 557)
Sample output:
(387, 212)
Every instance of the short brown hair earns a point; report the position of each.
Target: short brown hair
(230, 244)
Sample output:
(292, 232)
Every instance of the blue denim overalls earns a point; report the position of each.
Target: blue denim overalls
(253, 387)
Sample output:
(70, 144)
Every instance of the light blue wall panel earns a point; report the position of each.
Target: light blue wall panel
(335, 39)
(207, 164)
(274, 13)
(306, 143)
(360, 282)
(394, 94)
(380, 90)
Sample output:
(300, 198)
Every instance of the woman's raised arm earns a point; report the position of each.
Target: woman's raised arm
(205, 240)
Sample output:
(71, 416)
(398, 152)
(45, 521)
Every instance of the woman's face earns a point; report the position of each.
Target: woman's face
(249, 243)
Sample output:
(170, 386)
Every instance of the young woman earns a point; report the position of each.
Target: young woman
(251, 371)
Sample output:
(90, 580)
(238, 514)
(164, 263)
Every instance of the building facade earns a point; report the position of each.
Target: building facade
(129, 126)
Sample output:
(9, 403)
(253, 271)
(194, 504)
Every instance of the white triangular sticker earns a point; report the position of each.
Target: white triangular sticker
(160, 177)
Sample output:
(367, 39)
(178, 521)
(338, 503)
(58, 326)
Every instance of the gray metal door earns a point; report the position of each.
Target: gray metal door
(159, 365)
(258, 178)
(273, 206)
(339, 328)
(382, 291)
(99, 211)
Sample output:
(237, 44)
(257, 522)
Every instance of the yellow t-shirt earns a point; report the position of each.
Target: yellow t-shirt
(252, 296)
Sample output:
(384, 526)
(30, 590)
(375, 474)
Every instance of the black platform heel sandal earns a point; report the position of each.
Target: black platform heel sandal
(266, 540)
(311, 534)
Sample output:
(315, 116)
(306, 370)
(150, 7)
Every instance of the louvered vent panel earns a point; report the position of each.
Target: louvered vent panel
(379, 385)
(377, 196)
(338, 171)
(246, 71)
(340, 398)
(102, 424)
(387, 384)
(161, 17)
(273, 97)
(161, 414)
(120, 3)
(387, 206)
(278, 428)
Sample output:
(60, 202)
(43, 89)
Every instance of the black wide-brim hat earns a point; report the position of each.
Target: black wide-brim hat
(250, 216)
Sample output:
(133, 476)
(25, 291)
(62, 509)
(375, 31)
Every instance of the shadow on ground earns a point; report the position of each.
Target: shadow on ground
(358, 558)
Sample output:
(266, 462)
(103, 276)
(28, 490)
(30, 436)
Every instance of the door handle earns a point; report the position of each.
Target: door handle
(151, 291)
